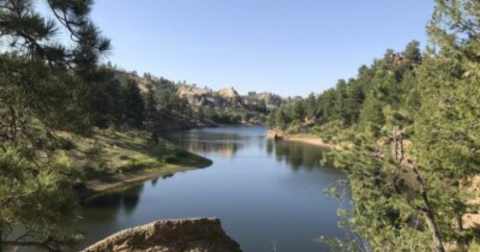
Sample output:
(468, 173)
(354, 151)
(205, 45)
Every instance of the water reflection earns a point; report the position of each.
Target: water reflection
(228, 144)
(125, 201)
(262, 190)
(296, 155)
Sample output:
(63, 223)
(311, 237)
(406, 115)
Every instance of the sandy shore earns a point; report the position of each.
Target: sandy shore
(303, 138)
(313, 141)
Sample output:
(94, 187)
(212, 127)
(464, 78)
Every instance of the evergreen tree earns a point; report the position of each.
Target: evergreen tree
(446, 127)
(42, 89)
(298, 111)
(412, 53)
(355, 100)
(311, 105)
(340, 103)
(134, 106)
(151, 112)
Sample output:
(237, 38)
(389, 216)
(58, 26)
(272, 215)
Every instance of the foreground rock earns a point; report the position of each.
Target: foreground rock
(186, 235)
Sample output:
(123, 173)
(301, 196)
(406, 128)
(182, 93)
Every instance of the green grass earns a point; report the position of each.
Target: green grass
(112, 156)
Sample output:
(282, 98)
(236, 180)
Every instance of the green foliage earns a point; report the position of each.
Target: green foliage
(102, 103)
(29, 191)
(388, 82)
(371, 114)
(46, 87)
(134, 106)
(410, 199)
(165, 94)
(330, 131)
(152, 114)
(384, 212)
(446, 138)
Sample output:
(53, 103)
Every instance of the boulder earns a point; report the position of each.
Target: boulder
(183, 235)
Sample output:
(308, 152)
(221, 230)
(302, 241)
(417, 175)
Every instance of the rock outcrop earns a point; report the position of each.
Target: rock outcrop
(220, 107)
(229, 94)
(184, 235)
(271, 101)
(222, 99)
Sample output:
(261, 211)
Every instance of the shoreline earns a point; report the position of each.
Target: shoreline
(99, 187)
(302, 138)
(125, 158)
(313, 141)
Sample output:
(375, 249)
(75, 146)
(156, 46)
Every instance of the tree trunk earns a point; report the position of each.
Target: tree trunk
(13, 124)
(395, 142)
(401, 149)
(429, 213)
(437, 241)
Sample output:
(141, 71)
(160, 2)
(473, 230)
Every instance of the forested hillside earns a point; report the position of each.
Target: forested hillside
(384, 90)
(177, 105)
(409, 125)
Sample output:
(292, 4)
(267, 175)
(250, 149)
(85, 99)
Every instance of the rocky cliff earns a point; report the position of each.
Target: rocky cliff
(251, 108)
(222, 99)
(188, 106)
(186, 235)
(229, 98)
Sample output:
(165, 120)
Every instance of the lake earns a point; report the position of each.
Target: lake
(265, 192)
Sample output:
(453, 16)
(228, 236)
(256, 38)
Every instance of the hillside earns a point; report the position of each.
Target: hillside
(109, 159)
(185, 106)
(409, 135)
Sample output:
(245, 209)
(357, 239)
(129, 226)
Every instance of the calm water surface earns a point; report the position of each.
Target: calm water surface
(264, 191)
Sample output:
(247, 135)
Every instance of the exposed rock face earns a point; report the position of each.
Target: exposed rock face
(229, 94)
(222, 99)
(187, 235)
(192, 90)
(272, 101)
(224, 106)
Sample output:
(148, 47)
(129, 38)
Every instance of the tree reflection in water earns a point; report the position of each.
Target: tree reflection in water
(250, 180)
(297, 155)
(114, 202)
(225, 144)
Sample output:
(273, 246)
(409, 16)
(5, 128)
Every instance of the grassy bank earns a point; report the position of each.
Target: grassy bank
(111, 159)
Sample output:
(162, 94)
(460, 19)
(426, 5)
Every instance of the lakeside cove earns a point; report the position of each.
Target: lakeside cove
(257, 126)
(113, 160)
(287, 176)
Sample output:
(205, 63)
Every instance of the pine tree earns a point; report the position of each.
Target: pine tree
(44, 83)
(134, 106)
(152, 117)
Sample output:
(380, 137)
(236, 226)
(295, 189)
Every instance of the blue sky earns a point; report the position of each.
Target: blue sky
(283, 46)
